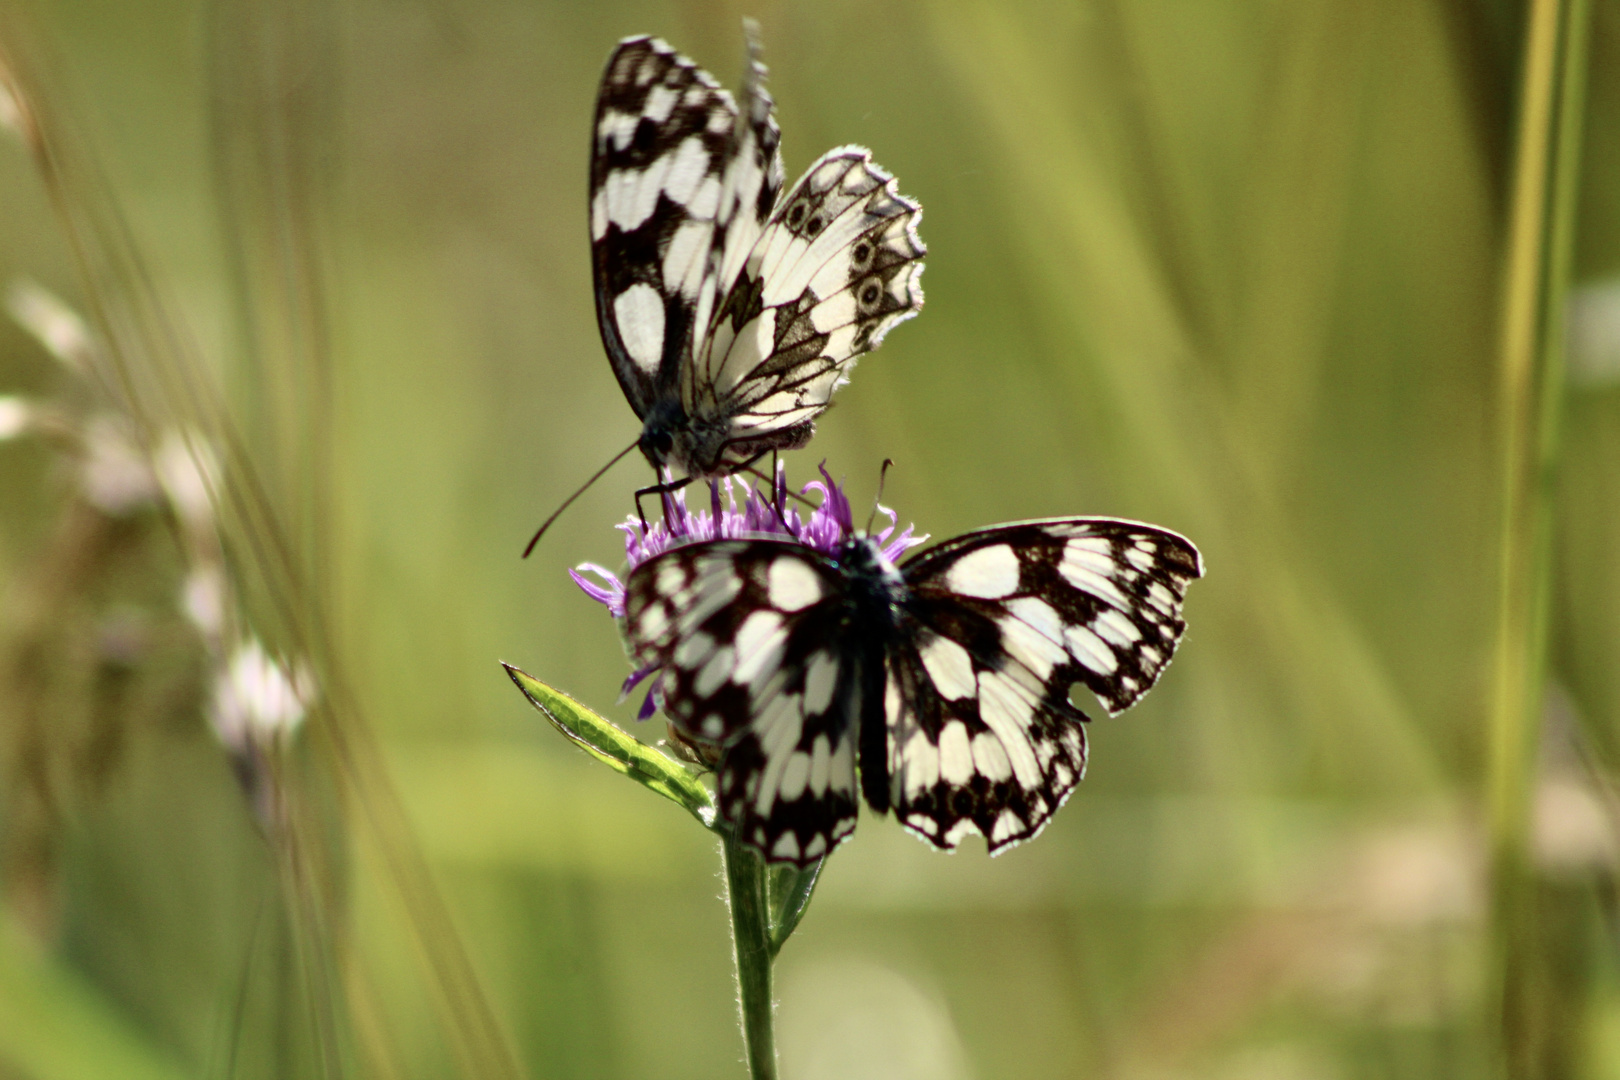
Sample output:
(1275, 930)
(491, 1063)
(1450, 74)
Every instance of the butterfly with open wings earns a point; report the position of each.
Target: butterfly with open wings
(730, 311)
(938, 687)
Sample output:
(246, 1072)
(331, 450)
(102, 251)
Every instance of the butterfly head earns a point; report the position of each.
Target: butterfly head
(871, 575)
(662, 431)
(669, 437)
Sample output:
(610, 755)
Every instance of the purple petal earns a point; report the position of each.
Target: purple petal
(750, 512)
(836, 504)
(894, 520)
(903, 543)
(649, 704)
(634, 678)
(611, 593)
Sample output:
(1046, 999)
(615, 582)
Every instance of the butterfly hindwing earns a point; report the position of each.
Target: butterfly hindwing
(746, 634)
(836, 267)
(788, 785)
(974, 748)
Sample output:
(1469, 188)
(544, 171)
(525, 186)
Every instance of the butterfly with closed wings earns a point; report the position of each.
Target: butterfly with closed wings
(938, 687)
(730, 311)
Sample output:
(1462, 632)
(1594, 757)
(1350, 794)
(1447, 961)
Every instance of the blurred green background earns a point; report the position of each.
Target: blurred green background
(1229, 267)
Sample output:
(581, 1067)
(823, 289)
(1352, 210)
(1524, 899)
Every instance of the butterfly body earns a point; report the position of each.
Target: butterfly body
(873, 604)
(938, 687)
(701, 447)
(730, 310)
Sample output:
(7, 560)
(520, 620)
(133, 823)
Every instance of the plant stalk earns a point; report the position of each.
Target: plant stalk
(751, 942)
(1536, 278)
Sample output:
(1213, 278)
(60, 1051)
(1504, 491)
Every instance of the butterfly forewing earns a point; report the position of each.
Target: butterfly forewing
(749, 187)
(664, 152)
(1113, 589)
(746, 633)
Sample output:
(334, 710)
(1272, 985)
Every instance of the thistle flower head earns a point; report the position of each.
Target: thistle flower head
(825, 528)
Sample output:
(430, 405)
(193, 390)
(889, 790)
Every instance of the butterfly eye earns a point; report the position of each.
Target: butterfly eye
(795, 216)
(861, 257)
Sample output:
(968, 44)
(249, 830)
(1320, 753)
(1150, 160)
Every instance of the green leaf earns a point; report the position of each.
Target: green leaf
(789, 890)
(617, 748)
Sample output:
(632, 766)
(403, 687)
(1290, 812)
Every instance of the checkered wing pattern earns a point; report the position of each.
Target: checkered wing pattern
(763, 645)
(837, 266)
(722, 302)
(747, 635)
(982, 736)
(674, 173)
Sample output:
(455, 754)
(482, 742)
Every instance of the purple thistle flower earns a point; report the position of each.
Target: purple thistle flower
(825, 529)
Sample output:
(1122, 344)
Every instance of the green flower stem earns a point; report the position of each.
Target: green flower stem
(766, 902)
(751, 941)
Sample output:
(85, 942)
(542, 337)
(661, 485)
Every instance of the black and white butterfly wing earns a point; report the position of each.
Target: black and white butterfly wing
(835, 268)
(960, 675)
(675, 177)
(1002, 623)
(750, 186)
(729, 312)
(747, 635)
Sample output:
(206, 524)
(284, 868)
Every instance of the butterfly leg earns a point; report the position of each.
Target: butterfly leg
(660, 490)
(785, 491)
(778, 487)
(778, 484)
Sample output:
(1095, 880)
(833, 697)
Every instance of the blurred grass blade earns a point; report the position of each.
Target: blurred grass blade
(617, 748)
(156, 374)
(789, 890)
(1211, 458)
(1536, 286)
(271, 103)
(55, 1027)
(274, 101)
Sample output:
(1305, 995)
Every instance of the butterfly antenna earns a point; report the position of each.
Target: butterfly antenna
(555, 514)
(877, 500)
(662, 489)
